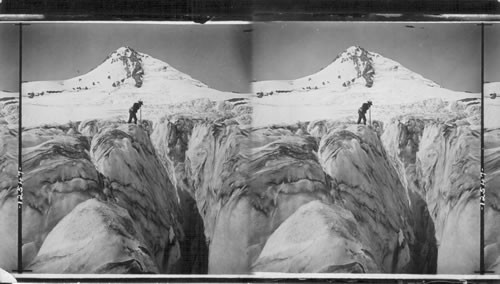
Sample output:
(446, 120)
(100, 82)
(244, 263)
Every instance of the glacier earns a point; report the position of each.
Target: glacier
(279, 180)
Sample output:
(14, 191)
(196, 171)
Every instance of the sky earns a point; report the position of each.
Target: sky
(226, 57)
(492, 53)
(448, 54)
(217, 55)
(9, 57)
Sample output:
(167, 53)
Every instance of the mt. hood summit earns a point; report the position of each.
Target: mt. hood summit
(111, 88)
(338, 90)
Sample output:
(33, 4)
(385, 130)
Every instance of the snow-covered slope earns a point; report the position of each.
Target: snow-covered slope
(339, 89)
(111, 88)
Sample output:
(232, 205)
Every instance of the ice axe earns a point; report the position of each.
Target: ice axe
(370, 116)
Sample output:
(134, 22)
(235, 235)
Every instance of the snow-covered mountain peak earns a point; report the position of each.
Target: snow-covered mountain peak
(124, 68)
(353, 67)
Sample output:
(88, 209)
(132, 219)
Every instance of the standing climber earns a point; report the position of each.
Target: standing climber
(133, 111)
(362, 111)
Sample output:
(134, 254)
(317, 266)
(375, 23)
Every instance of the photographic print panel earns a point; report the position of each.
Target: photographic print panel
(131, 143)
(384, 119)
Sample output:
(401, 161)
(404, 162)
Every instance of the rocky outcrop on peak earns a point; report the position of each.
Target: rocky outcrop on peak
(132, 62)
(363, 64)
